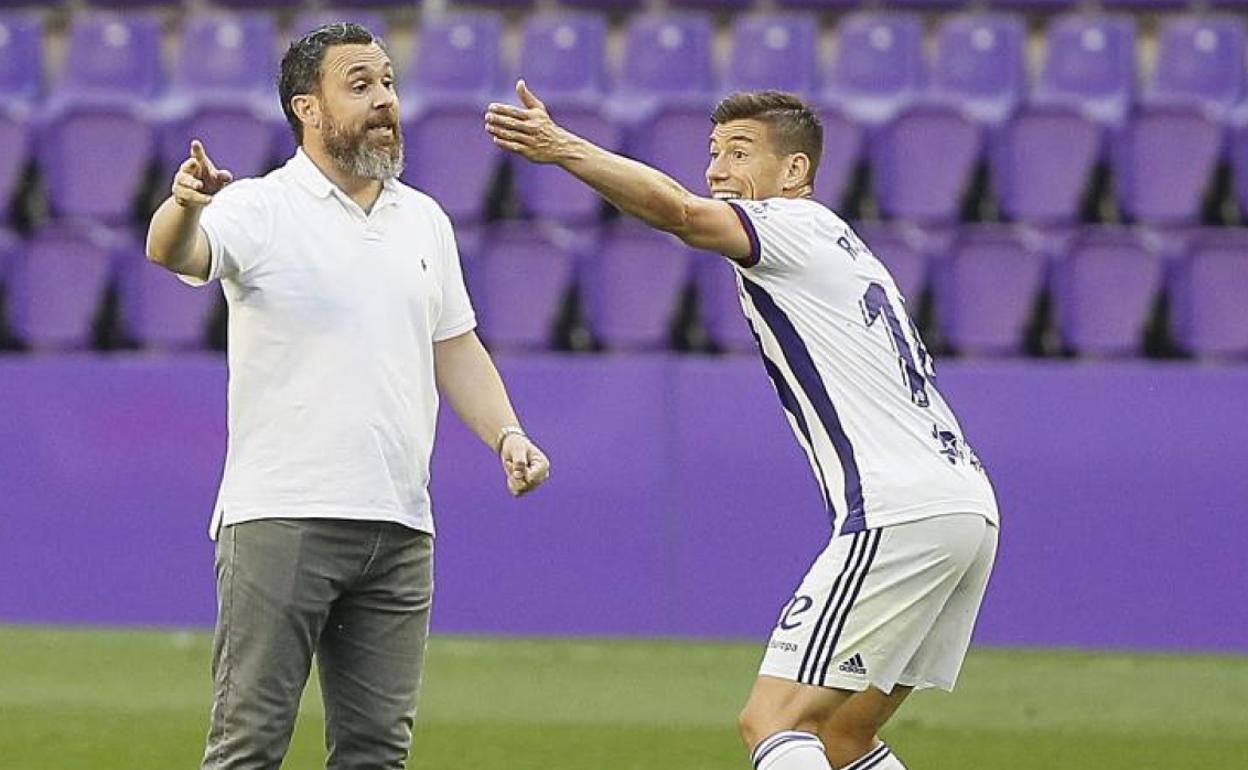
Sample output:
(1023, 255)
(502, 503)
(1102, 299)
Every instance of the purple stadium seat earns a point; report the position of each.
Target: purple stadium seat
(226, 52)
(879, 66)
(21, 58)
(985, 289)
(664, 94)
(667, 55)
(842, 150)
(1200, 60)
(901, 253)
(112, 55)
(457, 59)
(57, 285)
(1090, 64)
(96, 136)
(1207, 290)
(630, 287)
(158, 310)
(563, 56)
(774, 51)
(519, 284)
(1163, 162)
(922, 163)
(306, 21)
(719, 305)
(1030, 185)
(443, 94)
(225, 94)
(979, 64)
(563, 59)
(1103, 290)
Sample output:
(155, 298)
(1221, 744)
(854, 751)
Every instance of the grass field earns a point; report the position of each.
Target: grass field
(127, 700)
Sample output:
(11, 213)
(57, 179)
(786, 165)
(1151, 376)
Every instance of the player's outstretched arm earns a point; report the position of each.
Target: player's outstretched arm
(467, 377)
(174, 239)
(635, 188)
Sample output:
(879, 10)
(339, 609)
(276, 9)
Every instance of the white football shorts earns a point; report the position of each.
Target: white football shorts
(886, 607)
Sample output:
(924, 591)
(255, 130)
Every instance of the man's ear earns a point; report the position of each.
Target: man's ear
(308, 109)
(797, 171)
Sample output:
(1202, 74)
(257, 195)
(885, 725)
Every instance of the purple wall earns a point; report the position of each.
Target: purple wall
(679, 504)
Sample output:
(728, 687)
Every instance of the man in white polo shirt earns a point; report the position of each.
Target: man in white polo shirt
(348, 315)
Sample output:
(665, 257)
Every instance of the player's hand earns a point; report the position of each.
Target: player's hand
(198, 179)
(526, 466)
(528, 130)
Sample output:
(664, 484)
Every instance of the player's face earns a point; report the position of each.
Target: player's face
(360, 111)
(743, 162)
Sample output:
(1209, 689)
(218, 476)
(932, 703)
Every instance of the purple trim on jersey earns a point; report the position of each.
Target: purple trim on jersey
(788, 400)
(803, 367)
(756, 249)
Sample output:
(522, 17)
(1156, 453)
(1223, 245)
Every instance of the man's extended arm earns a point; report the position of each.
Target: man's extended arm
(633, 187)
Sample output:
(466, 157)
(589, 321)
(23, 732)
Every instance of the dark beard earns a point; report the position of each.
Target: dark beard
(356, 154)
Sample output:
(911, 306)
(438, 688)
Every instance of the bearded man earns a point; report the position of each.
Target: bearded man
(348, 316)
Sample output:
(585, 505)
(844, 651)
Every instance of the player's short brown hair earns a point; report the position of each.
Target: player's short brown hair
(793, 124)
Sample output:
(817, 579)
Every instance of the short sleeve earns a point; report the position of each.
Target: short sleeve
(780, 230)
(237, 224)
(457, 316)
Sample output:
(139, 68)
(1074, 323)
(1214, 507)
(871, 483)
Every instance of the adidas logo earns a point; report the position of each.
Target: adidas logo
(854, 665)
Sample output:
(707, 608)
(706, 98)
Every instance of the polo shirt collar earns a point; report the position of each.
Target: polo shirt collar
(311, 177)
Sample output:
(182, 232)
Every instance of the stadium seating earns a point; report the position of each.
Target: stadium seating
(1090, 64)
(455, 72)
(1207, 290)
(1103, 290)
(97, 135)
(631, 285)
(57, 283)
(878, 68)
(773, 51)
(223, 92)
(984, 290)
(158, 311)
(563, 59)
(518, 283)
(720, 307)
(1131, 118)
(664, 92)
(979, 65)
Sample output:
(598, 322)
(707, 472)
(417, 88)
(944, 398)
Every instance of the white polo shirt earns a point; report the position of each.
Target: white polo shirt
(333, 316)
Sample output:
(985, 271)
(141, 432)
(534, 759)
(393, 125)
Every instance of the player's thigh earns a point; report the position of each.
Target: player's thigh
(868, 602)
(780, 704)
(938, 659)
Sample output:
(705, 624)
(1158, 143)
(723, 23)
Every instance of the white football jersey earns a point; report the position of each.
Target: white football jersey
(852, 374)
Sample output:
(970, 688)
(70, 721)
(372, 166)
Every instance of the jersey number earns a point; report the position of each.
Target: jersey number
(874, 304)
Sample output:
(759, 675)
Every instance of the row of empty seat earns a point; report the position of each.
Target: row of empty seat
(985, 285)
(923, 126)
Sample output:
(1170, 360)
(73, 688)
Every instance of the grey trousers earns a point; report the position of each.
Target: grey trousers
(357, 596)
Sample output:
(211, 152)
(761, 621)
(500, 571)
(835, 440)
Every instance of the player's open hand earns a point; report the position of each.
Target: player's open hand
(526, 466)
(198, 178)
(527, 130)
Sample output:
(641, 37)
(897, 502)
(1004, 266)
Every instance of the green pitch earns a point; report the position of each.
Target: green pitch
(109, 700)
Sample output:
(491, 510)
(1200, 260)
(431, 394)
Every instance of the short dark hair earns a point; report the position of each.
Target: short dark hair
(794, 125)
(303, 60)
